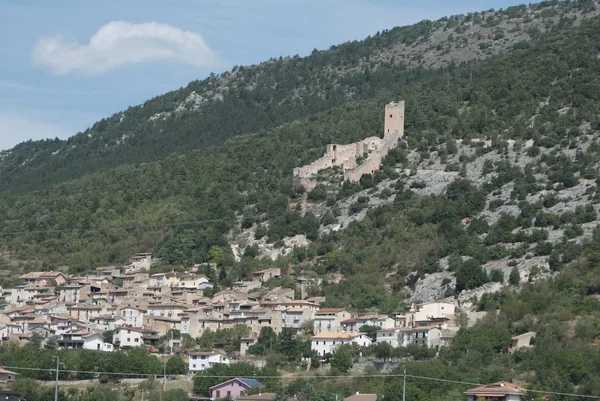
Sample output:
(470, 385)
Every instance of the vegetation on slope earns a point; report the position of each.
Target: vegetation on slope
(254, 98)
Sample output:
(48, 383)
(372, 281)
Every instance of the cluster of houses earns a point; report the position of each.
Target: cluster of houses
(123, 308)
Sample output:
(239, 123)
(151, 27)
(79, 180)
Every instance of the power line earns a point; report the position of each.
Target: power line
(254, 217)
(437, 379)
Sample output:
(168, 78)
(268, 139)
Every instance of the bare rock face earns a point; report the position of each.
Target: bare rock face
(432, 287)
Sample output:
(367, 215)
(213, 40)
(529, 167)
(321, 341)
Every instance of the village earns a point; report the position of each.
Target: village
(77, 312)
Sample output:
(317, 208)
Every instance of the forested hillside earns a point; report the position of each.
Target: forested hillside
(545, 91)
(253, 98)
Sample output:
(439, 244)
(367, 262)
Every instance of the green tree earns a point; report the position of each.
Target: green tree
(515, 277)
(176, 366)
(370, 331)
(343, 358)
(266, 342)
(35, 341)
(383, 350)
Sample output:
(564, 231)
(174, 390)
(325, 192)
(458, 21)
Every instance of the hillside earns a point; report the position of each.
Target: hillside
(252, 98)
(514, 191)
(491, 201)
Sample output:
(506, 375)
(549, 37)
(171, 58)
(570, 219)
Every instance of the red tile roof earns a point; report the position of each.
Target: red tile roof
(496, 389)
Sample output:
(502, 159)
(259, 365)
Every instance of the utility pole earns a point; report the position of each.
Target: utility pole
(164, 379)
(57, 358)
(404, 387)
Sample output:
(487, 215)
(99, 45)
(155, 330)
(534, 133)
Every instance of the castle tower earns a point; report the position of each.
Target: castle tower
(394, 121)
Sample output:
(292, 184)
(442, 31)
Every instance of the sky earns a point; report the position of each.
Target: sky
(68, 63)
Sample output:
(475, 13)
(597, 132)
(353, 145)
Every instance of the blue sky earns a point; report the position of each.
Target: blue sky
(68, 63)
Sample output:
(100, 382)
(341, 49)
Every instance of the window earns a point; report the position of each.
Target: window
(137, 340)
(218, 394)
(194, 365)
(128, 339)
(229, 394)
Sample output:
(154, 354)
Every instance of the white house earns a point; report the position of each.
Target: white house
(95, 342)
(204, 360)
(127, 337)
(84, 340)
(393, 336)
(132, 316)
(326, 343)
(294, 318)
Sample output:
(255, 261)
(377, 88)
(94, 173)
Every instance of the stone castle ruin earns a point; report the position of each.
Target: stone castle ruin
(356, 159)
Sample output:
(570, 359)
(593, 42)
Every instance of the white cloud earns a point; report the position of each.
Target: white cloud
(118, 43)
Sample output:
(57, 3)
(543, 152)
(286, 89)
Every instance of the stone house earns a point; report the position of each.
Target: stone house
(266, 274)
(42, 279)
(84, 312)
(106, 322)
(70, 294)
(521, 341)
(328, 320)
(294, 318)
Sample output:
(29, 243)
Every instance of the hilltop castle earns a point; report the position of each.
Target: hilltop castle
(371, 150)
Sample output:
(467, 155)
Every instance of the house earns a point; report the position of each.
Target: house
(204, 360)
(140, 261)
(361, 397)
(266, 274)
(84, 312)
(499, 391)
(132, 316)
(393, 336)
(166, 309)
(427, 312)
(7, 375)
(233, 388)
(43, 279)
(257, 397)
(43, 331)
(70, 294)
(106, 322)
(127, 337)
(521, 341)
(95, 342)
(326, 343)
(327, 320)
(245, 344)
(294, 318)
(245, 286)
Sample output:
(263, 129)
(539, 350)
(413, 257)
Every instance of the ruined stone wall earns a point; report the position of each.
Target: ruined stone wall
(373, 149)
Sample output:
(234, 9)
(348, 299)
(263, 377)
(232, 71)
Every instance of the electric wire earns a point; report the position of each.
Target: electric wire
(437, 379)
